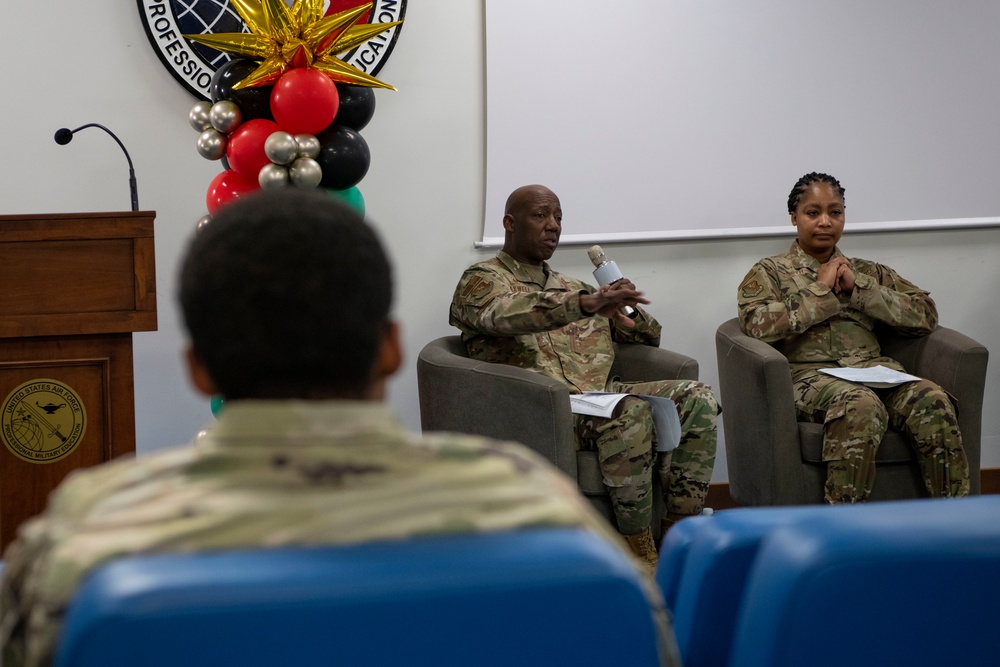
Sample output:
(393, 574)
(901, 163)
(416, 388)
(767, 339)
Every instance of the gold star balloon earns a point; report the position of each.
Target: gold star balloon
(283, 38)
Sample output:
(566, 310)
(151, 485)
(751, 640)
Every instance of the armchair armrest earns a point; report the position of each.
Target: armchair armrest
(643, 363)
(957, 363)
(950, 358)
(496, 401)
(759, 419)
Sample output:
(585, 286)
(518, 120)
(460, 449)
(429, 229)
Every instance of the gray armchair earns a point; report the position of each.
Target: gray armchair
(509, 403)
(773, 459)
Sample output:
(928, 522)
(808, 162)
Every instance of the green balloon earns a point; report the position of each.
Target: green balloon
(352, 197)
(217, 402)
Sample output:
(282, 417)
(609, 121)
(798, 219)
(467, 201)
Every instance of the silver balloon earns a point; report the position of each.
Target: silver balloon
(202, 222)
(212, 144)
(272, 176)
(225, 116)
(198, 116)
(308, 145)
(305, 173)
(280, 148)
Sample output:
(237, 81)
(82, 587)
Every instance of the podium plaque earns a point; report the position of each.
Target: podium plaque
(73, 289)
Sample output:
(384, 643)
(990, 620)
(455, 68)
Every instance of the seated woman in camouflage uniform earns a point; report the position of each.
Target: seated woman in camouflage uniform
(819, 308)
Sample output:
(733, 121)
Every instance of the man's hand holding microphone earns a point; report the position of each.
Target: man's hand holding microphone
(617, 295)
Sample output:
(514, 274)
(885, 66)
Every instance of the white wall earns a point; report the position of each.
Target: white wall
(68, 63)
(699, 84)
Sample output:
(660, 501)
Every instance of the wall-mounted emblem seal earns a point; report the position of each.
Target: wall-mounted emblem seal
(166, 21)
(42, 421)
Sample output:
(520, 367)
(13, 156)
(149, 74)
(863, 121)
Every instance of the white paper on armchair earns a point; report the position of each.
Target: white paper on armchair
(877, 377)
(665, 418)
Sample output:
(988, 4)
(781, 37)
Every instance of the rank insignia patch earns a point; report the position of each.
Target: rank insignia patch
(751, 288)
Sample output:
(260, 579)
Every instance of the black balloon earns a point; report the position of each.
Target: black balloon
(343, 156)
(357, 106)
(253, 102)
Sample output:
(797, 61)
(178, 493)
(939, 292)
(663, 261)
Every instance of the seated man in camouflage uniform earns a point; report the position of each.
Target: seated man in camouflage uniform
(286, 297)
(514, 309)
(820, 308)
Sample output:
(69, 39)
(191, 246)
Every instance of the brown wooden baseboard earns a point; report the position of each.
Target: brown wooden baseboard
(719, 498)
(990, 480)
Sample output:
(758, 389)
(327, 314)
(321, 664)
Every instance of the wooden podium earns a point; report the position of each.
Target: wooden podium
(73, 288)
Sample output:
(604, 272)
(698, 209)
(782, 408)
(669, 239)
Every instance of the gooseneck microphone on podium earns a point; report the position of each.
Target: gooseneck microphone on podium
(606, 272)
(65, 135)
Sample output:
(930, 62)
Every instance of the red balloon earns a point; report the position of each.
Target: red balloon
(304, 101)
(245, 150)
(225, 187)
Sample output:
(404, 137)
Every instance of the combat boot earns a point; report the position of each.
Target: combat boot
(642, 546)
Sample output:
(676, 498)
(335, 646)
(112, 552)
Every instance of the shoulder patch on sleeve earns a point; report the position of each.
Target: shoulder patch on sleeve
(476, 288)
(751, 288)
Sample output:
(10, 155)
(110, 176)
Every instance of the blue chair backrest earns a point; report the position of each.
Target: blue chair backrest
(910, 583)
(673, 556)
(533, 597)
(703, 568)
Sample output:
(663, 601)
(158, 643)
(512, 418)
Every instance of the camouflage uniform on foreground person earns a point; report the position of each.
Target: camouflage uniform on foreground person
(514, 309)
(820, 309)
(286, 297)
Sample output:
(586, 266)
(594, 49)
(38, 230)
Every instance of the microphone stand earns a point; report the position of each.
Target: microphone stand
(64, 136)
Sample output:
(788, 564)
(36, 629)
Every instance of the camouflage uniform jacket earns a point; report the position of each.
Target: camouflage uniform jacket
(782, 302)
(529, 316)
(267, 474)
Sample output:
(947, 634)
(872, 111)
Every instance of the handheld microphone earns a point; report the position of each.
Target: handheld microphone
(64, 135)
(607, 272)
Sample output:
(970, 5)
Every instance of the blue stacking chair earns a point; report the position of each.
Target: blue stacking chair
(703, 568)
(673, 556)
(533, 597)
(912, 583)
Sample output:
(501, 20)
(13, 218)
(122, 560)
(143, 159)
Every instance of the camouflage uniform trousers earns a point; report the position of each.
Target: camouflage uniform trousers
(854, 419)
(626, 450)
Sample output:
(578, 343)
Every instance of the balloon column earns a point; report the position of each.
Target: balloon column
(285, 112)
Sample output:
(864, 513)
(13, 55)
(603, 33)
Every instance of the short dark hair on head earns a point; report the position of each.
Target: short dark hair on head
(286, 294)
(803, 184)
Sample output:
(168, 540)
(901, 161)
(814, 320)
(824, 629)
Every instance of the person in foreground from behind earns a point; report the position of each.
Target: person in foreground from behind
(820, 309)
(286, 297)
(515, 309)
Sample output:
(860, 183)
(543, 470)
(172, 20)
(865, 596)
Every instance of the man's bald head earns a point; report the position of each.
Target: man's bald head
(532, 224)
(525, 196)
